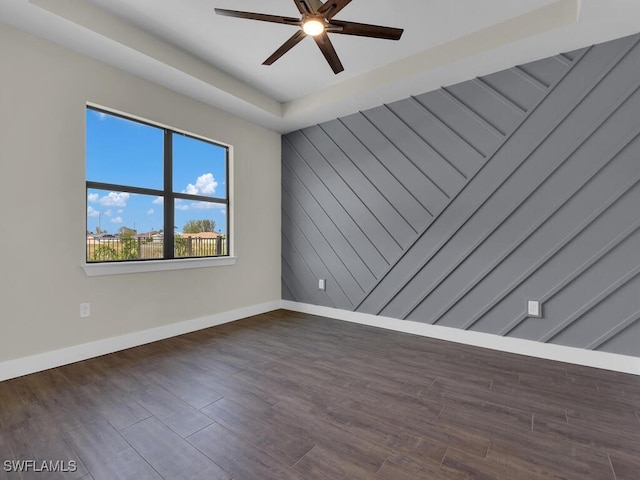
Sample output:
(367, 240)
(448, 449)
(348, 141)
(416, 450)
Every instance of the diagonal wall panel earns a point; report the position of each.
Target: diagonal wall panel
(523, 184)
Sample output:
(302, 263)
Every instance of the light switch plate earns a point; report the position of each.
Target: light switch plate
(322, 284)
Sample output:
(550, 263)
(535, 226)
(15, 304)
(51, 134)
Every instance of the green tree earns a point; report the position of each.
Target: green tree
(126, 232)
(181, 246)
(129, 249)
(104, 252)
(197, 226)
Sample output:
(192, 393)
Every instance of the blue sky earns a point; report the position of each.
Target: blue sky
(128, 153)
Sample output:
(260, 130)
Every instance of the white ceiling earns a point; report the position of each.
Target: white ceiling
(185, 46)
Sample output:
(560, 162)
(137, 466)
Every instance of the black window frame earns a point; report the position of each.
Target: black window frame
(167, 193)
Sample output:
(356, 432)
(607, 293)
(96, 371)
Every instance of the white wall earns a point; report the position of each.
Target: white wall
(43, 92)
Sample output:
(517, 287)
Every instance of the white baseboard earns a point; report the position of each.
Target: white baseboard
(44, 361)
(578, 356)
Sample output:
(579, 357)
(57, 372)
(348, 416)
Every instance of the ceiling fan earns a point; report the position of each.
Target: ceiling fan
(316, 21)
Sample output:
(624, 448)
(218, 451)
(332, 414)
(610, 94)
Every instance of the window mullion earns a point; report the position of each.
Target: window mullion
(169, 204)
(124, 188)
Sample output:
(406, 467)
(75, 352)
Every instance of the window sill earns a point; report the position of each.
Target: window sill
(120, 268)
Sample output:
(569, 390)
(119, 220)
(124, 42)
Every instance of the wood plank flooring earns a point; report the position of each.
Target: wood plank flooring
(292, 396)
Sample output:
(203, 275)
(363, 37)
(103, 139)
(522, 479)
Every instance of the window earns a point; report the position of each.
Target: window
(153, 193)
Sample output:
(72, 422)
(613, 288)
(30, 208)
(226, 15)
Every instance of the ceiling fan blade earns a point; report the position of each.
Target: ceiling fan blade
(332, 7)
(329, 52)
(365, 30)
(315, 4)
(259, 16)
(286, 46)
(308, 7)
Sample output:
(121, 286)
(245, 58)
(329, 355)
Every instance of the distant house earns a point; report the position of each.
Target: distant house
(148, 235)
(101, 237)
(202, 235)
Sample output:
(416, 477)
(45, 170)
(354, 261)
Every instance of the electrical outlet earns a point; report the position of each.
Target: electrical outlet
(533, 309)
(85, 310)
(322, 284)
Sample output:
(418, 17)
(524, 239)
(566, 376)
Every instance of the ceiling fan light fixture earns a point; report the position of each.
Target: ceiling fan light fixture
(317, 21)
(313, 27)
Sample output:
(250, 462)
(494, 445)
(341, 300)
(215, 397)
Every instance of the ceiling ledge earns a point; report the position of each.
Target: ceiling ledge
(362, 89)
(162, 63)
(113, 28)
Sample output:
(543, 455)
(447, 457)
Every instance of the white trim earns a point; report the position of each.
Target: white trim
(64, 356)
(43, 361)
(118, 268)
(578, 356)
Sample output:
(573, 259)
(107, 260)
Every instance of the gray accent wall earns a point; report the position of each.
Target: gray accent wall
(456, 206)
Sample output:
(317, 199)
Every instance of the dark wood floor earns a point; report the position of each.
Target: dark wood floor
(291, 396)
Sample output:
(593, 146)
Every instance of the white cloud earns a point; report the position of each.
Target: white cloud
(180, 205)
(120, 210)
(115, 199)
(116, 220)
(158, 201)
(93, 197)
(92, 212)
(108, 213)
(150, 211)
(205, 185)
(203, 205)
